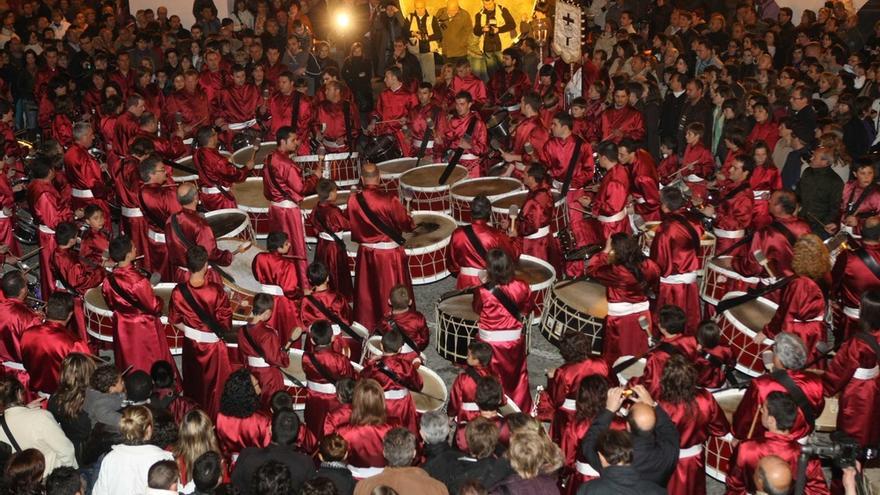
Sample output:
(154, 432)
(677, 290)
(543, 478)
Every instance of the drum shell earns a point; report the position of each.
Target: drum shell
(345, 168)
(719, 450)
(245, 287)
(719, 278)
(221, 222)
(454, 332)
(491, 187)
(540, 288)
(562, 313)
(250, 198)
(391, 178)
(739, 334)
(500, 213)
(382, 148)
(433, 196)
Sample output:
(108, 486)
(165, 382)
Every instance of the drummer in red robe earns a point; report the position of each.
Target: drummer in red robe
(854, 372)
(126, 181)
(465, 257)
(127, 125)
(189, 107)
(289, 107)
(628, 276)
(398, 375)
(765, 179)
(465, 132)
(462, 406)
(338, 121)
(277, 275)
(236, 103)
(801, 308)
(285, 185)
(697, 164)
(84, 172)
(216, 173)
(715, 360)
(502, 328)
(427, 120)
(789, 358)
(861, 200)
(851, 278)
(591, 394)
(622, 120)
(570, 174)
(323, 303)
(551, 94)
(138, 334)
(608, 205)
(697, 416)
(49, 209)
(494, 429)
(528, 139)
(676, 250)
(392, 108)
(330, 222)
(410, 323)
(213, 79)
(206, 363)
(366, 429)
(73, 274)
(193, 231)
(381, 260)
(95, 240)
(263, 349)
(733, 215)
(331, 73)
(465, 80)
(158, 201)
(645, 186)
(779, 422)
(45, 345)
(671, 322)
(15, 317)
(323, 368)
(532, 224)
(170, 145)
(507, 86)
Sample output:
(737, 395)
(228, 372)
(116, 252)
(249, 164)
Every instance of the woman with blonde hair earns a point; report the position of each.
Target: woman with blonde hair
(534, 459)
(366, 429)
(801, 308)
(195, 437)
(125, 468)
(66, 404)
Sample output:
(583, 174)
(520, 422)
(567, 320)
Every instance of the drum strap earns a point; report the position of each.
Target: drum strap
(670, 349)
(226, 194)
(736, 190)
(175, 226)
(406, 338)
(695, 237)
(67, 285)
(274, 180)
(718, 363)
(424, 146)
(572, 164)
(294, 112)
(111, 277)
(325, 229)
(872, 343)
(456, 155)
(505, 301)
(869, 261)
(322, 370)
(782, 377)
(206, 317)
(385, 370)
(854, 207)
(474, 240)
(246, 331)
(375, 220)
(156, 223)
(782, 229)
(334, 318)
(8, 433)
(471, 372)
(733, 302)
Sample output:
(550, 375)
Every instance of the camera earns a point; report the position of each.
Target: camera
(844, 451)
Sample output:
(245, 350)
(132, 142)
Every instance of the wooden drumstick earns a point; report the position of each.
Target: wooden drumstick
(754, 422)
(513, 212)
(646, 326)
(764, 262)
(257, 145)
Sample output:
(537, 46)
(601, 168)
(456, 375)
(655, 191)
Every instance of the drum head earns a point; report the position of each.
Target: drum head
(428, 176)
(250, 193)
(93, 297)
(534, 273)
(433, 390)
(445, 225)
(635, 370)
(490, 186)
(584, 296)
(226, 221)
(396, 167)
(163, 292)
(725, 262)
(753, 314)
(308, 203)
(241, 157)
(460, 306)
(497, 118)
(240, 269)
(296, 361)
(729, 400)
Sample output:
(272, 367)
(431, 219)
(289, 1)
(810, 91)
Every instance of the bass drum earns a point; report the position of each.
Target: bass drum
(25, 228)
(382, 148)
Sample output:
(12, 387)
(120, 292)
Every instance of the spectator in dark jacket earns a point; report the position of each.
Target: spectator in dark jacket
(535, 459)
(332, 453)
(481, 463)
(619, 476)
(441, 459)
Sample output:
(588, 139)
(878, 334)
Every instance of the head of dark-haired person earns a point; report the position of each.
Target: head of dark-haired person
(672, 319)
(241, 396)
(499, 267)
(275, 241)
(779, 412)
(119, 248)
(481, 207)
(14, 285)
(59, 307)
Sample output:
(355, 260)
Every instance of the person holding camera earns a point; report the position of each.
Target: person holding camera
(489, 23)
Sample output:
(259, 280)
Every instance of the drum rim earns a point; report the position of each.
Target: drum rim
(442, 243)
(503, 209)
(329, 157)
(106, 312)
(740, 325)
(547, 283)
(342, 206)
(249, 208)
(438, 188)
(433, 374)
(392, 176)
(462, 182)
(440, 314)
(232, 285)
(238, 230)
(620, 378)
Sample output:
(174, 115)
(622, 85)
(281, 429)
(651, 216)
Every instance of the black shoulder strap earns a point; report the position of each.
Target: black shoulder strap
(346, 118)
(321, 368)
(871, 341)
(854, 207)
(670, 349)
(385, 370)
(869, 261)
(8, 433)
(782, 377)
(253, 343)
(178, 231)
(147, 213)
(474, 240)
(736, 190)
(111, 277)
(695, 237)
(225, 192)
(456, 155)
(375, 220)
(572, 164)
(406, 338)
(294, 112)
(67, 285)
(334, 318)
(200, 311)
(782, 229)
(471, 372)
(326, 229)
(274, 180)
(505, 301)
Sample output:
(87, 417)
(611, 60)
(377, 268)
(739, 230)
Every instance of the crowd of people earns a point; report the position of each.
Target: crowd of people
(695, 144)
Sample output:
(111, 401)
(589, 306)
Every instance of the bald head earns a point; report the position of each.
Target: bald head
(370, 174)
(642, 418)
(773, 475)
(187, 195)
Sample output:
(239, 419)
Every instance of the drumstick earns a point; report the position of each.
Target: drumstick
(513, 212)
(764, 262)
(682, 169)
(646, 326)
(754, 422)
(257, 146)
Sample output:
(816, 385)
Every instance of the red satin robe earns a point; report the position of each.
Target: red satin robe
(702, 165)
(10, 143)
(509, 351)
(562, 391)
(49, 209)
(236, 434)
(456, 129)
(628, 302)
(199, 233)
(45, 112)
(709, 374)
(284, 187)
(44, 76)
(870, 206)
(775, 246)
(216, 172)
(764, 180)
(213, 82)
(194, 109)
(154, 99)
(570, 443)
(273, 71)
(534, 227)
(158, 202)
(740, 479)
(619, 123)
(767, 131)
(859, 401)
(656, 361)
(462, 254)
(463, 394)
(273, 269)
(15, 318)
(558, 153)
(695, 421)
(61, 130)
(78, 277)
(733, 214)
(336, 418)
(530, 130)
(674, 251)
(281, 110)
(418, 124)
(645, 186)
(802, 312)
(266, 358)
(377, 269)
(320, 403)
(667, 167)
(127, 181)
(125, 81)
(338, 306)
(589, 128)
(86, 179)
(333, 115)
(545, 92)
(506, 88)
(365, 443)
(206, 364)
(138, 334)
(236, 104)
(412, 324)
(609, 203)
(473, 85)
(94, 245)
(393, 106)
(170, 148)
(403, 410)
(756, 395)
(43, 348)
(330, 252)
(7, 222)
(850, 279)
(125, 130)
